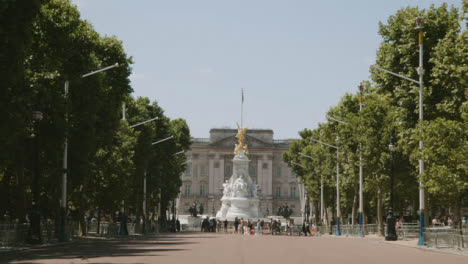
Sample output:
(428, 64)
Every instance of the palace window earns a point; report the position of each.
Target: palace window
(202, 190)
(228, 170)
(202, 169)
(188, 169)
(278, 171)
(292, 193)
(278, 192)
(187, 190)
(293, 173)
(253, 171)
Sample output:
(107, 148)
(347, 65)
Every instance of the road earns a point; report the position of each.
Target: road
(207, 248)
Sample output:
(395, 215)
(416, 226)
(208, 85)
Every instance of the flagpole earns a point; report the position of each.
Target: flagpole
(242, 107)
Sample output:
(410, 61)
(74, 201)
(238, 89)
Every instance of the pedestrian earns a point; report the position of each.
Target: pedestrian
(177, 225)
(242, 226)
(236, 224)
(259, 226)
(307, 229)
(262, 223)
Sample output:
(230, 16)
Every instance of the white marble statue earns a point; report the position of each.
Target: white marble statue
(240, 193)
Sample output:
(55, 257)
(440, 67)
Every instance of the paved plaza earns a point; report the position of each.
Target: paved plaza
(207, 248)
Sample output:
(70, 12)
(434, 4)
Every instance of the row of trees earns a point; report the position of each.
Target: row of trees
(44, 44)
(391, 104)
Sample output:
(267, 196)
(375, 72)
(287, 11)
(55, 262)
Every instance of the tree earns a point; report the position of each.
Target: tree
(16, 96)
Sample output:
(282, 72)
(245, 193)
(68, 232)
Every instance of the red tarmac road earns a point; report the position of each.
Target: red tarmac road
(207, 248)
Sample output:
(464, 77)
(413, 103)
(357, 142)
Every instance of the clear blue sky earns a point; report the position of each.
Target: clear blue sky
(295, 59)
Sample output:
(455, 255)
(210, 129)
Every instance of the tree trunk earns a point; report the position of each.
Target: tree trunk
(317, 212)
(458, 214)
(20, 201)
(380, 224)
(81, 223)
(355, 200)
(5, 194)
(99, 221)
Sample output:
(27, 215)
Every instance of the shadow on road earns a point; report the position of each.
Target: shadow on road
(86, 249)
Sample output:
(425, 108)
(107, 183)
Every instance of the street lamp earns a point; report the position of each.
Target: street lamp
(361, 202)
(63, 206)
(321, 189)
(35, 217)
(420, 70)
(144, 188)
(361, 197)
(391, 232)
(123, 222)
(338, 209)
(144, 122)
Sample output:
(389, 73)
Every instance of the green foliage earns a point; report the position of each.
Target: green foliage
(391, 104)
(48, 44)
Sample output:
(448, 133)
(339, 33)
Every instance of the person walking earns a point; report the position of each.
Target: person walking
(242, 226)
(236, 224)
(259, 226)
(225, 225)
(307, 229)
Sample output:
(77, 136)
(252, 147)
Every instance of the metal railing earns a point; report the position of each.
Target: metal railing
(446, 237)
(16, 234)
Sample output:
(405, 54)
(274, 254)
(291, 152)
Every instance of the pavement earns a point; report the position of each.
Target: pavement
(207, 248)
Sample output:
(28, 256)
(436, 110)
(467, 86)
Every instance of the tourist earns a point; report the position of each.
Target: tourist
(259, 226)
(242, 226)
(236, 224)
(397, 225)
(262, 223)
(304, 231)
(177, 225)
(307, 229)
(225, 225)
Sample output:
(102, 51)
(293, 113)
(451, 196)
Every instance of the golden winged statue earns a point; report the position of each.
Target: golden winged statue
(241, 137)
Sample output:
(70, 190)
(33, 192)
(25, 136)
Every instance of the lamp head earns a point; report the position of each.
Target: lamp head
(419, 23)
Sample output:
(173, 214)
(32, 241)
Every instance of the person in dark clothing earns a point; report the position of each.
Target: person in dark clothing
(236, 224)
(304, 231)
(225, 225)
(177, 225)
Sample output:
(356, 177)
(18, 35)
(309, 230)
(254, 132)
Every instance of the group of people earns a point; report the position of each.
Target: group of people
(240, 226)
(448, 221)
(213, 225)
(274, 227)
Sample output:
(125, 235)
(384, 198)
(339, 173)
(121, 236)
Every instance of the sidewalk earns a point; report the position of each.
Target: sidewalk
(414, 244)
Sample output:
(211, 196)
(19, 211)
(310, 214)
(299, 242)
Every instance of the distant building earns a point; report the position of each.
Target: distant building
(211, 166)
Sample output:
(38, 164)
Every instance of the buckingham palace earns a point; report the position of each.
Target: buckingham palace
(211, 165)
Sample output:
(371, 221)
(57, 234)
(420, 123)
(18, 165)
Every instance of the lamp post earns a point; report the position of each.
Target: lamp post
(143, 230)
(391, 232)
(174, 202)
(420, 69)
(35, 216)
(63, 206)
(144, 188)
(338, 209)
(361, 197)
(302, 189)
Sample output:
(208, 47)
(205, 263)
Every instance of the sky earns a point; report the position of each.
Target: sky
(294, 59)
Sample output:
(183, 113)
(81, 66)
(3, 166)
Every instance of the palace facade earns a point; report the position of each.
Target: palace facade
(211, 165)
